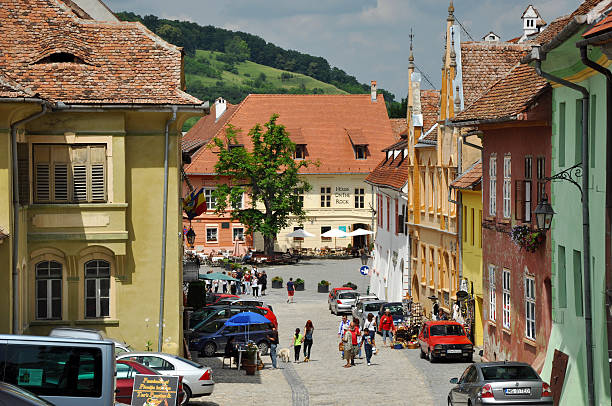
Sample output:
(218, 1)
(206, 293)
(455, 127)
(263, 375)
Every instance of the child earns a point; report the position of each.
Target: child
(368, 344)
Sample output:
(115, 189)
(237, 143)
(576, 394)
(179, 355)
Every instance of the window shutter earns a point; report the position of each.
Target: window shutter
(519, 199)
(98, 193)
(79, 173)
(60, 177)
(23, 162)
(42, 180)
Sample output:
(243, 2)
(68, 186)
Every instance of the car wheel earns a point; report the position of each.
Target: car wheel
(335, 311)
(263, 347)
(431, 357)
(187, 396)
(423, 355)
(209, 349)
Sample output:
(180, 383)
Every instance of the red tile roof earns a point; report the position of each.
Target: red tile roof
(206, 128)
(116, 63)
(484, 63)
(323, 120)
(599, 28)
(392, 172)
(560, 23)
(430, 108)
(471, 179)
(9, 88)
(511, 95)
(399, 126)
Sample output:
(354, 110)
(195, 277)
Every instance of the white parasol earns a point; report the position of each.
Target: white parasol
(300, 233)
(335, 232)
(360, 231)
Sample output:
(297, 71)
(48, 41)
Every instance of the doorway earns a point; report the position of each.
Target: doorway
(361, 241)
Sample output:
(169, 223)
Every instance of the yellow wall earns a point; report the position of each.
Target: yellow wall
(472, 252)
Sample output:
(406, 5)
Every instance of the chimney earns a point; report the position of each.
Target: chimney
(373, 90)
(220, 106)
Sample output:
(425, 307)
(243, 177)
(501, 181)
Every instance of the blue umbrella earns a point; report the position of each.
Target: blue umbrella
(246, 319)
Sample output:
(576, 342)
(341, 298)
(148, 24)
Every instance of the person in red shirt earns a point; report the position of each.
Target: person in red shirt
(386, 327)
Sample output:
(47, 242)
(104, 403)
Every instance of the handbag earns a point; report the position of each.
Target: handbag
(341, 346)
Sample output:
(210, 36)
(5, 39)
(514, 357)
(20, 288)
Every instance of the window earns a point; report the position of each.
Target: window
(423, 263)
(465, 224)
(156, 363)
(359, 198)
(298, 238)
(541, 175)
(238, 234)
(492, 294)
(432, 255)
(325, 229)
(125, 371)
(55, 370)
(479, 228)
(360, 151)
(506, 298)
(97, 288)
(211, 202)
(507, 206)
(300, 151)
(301, 200)
(492, 185)
(422, 186)
(211, 234)
(388, 213)
(527, 189)
(578, 132)
(530, 306)
(561, 134)
(326, 196)
(49, 290)
(69, 173)
(578, 283)
(239, 204)
(472, 226)
(432, 194)
(561, 278)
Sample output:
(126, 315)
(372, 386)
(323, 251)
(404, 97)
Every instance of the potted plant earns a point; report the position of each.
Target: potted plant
(299, 284)
(527, 239)
(277, 282)
(350, 285)
(250, 359)
(323, 286)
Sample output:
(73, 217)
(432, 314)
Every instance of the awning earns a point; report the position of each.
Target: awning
(296, 136)
(357, 137)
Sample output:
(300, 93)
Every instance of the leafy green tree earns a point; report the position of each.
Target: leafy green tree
(171, 34)
(268, 175)
(238, 48)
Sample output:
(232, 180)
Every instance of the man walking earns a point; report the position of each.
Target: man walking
(290, 290)
(263, 282)
(273, 339)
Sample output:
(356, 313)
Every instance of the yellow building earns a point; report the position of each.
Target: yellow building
(84, 232)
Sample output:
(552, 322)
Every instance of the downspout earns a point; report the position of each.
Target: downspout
(160, 339)
(608, 205)
(15, 236)
(459, 210)
(586, 241)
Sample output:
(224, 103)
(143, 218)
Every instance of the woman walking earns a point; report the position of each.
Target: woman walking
(297, 344)
(308, 330)
(348, 345)
(255, 286)
(370, 324)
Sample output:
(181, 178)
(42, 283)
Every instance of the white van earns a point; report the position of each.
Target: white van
(63, 371)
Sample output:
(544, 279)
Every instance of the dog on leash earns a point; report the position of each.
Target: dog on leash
(284, 354)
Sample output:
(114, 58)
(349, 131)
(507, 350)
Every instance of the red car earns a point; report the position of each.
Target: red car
(126, 370)
(213, 298)
(333, 293)
(444, 340)
(268, 314)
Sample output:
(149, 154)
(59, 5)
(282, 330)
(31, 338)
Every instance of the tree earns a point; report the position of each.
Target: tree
(268, 175)
(238, 48)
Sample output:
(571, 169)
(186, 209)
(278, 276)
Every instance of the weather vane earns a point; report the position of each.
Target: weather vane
(411, 38)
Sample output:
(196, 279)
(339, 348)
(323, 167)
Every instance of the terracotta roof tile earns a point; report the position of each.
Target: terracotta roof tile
(560, 23)
(399, 126)
(115, 63)
(484, 63)
(323, 120)
(471, 179)
(206, 128)
(511, 95)
(392, 172)
(9, 88)
(430, 108)
(599, 28)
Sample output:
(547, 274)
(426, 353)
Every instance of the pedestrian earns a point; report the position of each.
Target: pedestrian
(347, 341)
(308, 330)
(215, 285)
(298, 339)
(239, 282)
(386, 327)
(354, 341)
(255, 286)
(435, 310)
(368, 344)
(370, 324)
(356, 323)
(263, 282)
(442, 315)
(273, 340)
(247, 283)
(343, 322)
(290, 290)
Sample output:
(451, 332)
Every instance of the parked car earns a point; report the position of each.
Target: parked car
(126, 370)
(89, 334)
(363, 308)
(500, 383)
(344, 301)
(333, 294)
(244, 302)
(198, 319)
(16, 396)
(396, 309)
(214, 298)
(269, 314)
(444, 340)
(197, 379)
(363, 298)
(212, 337)
(46, 366)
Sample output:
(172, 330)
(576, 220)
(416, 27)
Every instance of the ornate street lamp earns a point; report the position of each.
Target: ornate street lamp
(191, 235)
(544, 214)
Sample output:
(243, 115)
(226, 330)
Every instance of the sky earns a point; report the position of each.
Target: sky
(368, 39)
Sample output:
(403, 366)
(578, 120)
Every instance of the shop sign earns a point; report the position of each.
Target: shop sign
(155, 390)
(342, 196)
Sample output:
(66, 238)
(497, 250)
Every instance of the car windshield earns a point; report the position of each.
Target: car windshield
(186, 361)
(509, 373)
(348, 295)
(446, 330)
(371, 307)
(394, 308)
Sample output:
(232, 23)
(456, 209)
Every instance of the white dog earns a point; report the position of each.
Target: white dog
(284, 354)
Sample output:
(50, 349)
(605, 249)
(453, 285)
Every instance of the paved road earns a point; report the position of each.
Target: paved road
(396, 377)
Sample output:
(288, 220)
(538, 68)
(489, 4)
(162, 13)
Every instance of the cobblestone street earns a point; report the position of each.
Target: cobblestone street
(396, 377)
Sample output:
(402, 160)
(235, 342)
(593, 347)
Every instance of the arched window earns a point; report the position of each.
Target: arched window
(97, 288)
(48, 290)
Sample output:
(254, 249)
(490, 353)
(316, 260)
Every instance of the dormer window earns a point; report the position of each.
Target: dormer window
(61, 57)
(361, 151)
(300, 151)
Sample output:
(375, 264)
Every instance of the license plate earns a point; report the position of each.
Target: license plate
(517, 391)
(453, 351)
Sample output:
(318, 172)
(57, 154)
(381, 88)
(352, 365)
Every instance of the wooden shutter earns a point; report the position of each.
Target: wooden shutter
(98, 173)
(519, 199)
(79, 173)
(60, 182)
(42, 176)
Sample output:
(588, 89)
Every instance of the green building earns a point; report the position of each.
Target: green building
(566, 359)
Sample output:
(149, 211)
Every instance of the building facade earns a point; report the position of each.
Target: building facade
(84, 230)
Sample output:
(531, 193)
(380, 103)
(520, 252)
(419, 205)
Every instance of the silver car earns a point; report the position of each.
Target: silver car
(363, 308)
(500, 383)
(344, 301)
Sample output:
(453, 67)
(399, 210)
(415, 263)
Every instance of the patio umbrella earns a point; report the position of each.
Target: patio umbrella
(334, 232)
(300, 233)
(216, 276)
(360, 231)
(246, 319)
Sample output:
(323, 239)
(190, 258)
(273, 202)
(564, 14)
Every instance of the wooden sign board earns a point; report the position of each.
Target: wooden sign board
(155, 390)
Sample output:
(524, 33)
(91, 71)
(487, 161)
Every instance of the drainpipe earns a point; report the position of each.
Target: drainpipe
(586, 240)
(459, 209)
(160, 339)
(15, 236)
(608, 208)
